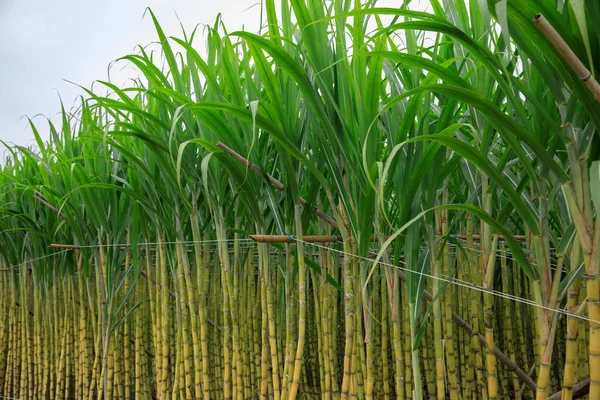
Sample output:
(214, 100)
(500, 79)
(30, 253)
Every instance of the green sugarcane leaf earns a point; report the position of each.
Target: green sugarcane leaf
(317, 268)
(129, 312)
(483, 163)
(512, 243)
(501, 13)
(575, 273)
(423, 325)
(262, 122)
(578, 7)
(566, 241)
(168, 53)
(384, 248)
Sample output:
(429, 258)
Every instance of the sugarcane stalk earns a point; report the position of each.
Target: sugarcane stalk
(290, 324)
(384, 343)
(404, 313)
(359, 277)
(570, 368)
(508, 317)
(448, 328)
(349, 310)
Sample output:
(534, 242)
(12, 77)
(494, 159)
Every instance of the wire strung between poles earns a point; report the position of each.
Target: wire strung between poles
(34, 260)
(464, 284)
(447, 279)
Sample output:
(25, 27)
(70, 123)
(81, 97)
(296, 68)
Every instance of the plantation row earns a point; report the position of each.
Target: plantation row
(214, 327)
(444, 161)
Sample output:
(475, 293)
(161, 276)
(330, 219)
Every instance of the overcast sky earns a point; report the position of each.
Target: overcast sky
(45, 43)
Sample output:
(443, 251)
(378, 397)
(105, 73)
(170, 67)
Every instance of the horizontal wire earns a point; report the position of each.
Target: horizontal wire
(444, 278)
(506, 253)
(471, 284)
(34, 260)
(11, 267)
(467, 285)
(499, 251)
(191, 242)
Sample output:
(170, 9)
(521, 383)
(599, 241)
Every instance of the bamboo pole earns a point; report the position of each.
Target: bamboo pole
(568, 55)
(275, 183)
(580, 389)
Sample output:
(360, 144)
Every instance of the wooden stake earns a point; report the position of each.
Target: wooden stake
(330, 221)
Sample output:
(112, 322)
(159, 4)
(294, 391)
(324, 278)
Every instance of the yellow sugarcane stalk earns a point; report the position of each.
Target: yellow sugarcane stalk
(264, 365)
(290, 324)
(164, 323)
(185, 317)
(139, 359)
(572, 327)
(232, 291)
(24, 333)
(62, 359)
(301, 305)
(475, 304)
(37, 338)
(322, 286)
(488, 260)
(508, 317)
(349, 322)
(359, 339)
(404, 314)
(570, 368)
(201, 258)
(593, 301)
(333, 269)
(248, 330)
(384, 343)
(272, 330)
(224, 260)
(370, 362)
(127, 357)
(7, 388)
(254, 299)
(465, 368)
(446, 299)
(440, 370)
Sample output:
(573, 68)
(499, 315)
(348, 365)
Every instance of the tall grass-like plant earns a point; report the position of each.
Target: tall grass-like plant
(396, 132)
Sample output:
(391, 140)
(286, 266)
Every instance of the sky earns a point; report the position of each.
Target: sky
(45, 44)
(48, 48)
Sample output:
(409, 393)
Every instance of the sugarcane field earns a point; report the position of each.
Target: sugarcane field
(354, 201)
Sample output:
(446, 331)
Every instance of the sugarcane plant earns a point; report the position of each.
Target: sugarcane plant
(422, 188)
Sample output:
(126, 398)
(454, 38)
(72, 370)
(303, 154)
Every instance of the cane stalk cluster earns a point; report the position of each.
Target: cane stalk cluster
(451, 154)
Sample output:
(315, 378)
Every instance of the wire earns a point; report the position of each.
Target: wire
(249, 244)
(506, 255)
(186, 243)
(464, 284)
(34, 260)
